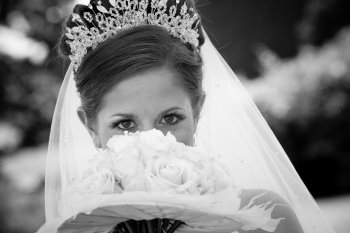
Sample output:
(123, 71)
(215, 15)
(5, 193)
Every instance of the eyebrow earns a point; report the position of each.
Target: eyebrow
(171, 109)
(132, 116)
(125, 115)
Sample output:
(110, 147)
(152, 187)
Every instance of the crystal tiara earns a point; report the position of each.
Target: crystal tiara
(134, 12)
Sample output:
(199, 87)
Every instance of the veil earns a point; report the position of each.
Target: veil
(230, 125)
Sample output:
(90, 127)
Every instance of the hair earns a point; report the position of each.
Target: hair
(131, 51)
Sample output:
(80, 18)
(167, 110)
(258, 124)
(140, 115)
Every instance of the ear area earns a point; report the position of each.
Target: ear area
(90, 127)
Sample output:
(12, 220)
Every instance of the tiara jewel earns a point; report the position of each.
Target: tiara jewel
(124, 14)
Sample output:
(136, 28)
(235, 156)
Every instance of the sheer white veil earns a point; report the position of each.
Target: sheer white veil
(230, 125)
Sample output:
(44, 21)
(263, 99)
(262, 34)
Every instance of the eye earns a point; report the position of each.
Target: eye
(124, 124)
(172, 119)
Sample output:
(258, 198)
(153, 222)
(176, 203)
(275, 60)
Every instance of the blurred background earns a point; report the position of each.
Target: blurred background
(293, 56)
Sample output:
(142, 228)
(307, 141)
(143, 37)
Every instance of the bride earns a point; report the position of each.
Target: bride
(164, 73)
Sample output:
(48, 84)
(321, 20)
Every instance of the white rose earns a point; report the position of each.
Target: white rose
(154, 140)
(92, 183)
(171, 174)
(213, 176)
(80, 191)
(129, 170)
(138, 183)
(118, 143)
(102, 160)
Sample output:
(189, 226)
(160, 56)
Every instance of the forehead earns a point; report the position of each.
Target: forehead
(150, 90)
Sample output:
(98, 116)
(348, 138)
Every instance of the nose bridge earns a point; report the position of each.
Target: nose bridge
(147, 125)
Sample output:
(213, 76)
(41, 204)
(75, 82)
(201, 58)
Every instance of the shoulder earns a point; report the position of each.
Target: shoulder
(282, 209)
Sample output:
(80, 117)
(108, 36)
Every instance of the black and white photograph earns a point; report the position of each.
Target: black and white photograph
(174, 116)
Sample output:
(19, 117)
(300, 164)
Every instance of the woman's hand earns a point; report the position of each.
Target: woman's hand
(289, 223)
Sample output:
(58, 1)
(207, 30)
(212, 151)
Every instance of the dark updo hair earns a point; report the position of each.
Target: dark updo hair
(132, 51)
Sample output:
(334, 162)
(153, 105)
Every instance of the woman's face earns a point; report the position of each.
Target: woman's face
(151, 99)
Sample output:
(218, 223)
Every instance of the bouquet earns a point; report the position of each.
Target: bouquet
(148, 182)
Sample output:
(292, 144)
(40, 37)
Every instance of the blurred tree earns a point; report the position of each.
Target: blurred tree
(239, 28)
(306, 101)
(323, 19)
(29, 83)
